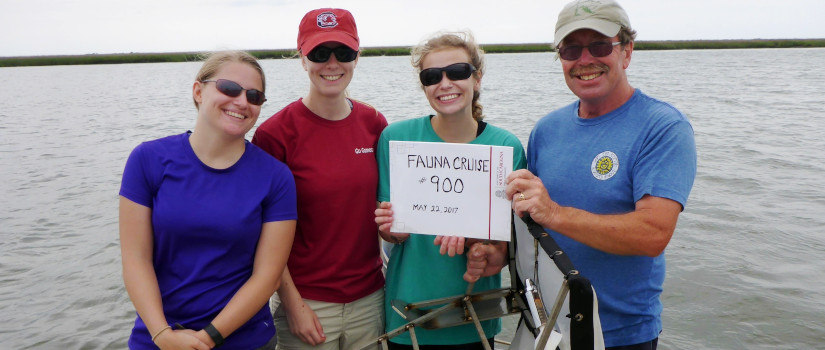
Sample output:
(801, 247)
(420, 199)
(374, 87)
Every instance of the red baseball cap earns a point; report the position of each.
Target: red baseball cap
(325, 25)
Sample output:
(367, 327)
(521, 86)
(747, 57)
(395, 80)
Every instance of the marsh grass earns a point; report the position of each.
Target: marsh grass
(729, 44)
(397, 51)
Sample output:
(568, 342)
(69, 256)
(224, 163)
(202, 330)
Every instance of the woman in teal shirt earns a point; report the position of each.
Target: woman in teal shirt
(450, 67)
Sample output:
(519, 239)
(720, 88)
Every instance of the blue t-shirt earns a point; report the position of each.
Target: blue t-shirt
(604, 165)
(206, 224)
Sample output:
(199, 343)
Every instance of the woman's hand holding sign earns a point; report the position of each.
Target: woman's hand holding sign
(450, 245)
(383, 217)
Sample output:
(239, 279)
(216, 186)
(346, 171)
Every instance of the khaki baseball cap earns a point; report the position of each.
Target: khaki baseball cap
(603, 16)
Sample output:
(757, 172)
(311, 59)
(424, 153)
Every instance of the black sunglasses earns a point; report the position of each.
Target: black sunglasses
(455, 71)
(233, 89)
(342, 53)
(596, 48)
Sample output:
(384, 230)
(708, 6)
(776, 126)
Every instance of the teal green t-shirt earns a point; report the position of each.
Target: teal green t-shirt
(416, 270)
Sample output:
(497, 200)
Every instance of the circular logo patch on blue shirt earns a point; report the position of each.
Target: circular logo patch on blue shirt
(605, 165)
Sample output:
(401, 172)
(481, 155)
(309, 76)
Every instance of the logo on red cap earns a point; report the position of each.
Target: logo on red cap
(326, 20)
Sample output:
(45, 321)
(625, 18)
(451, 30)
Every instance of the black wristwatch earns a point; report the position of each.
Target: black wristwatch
(214, 334)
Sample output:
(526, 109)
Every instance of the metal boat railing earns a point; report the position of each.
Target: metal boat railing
(476, 307)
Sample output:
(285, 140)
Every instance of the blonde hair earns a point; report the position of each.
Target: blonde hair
(214, 61)
(459, 40)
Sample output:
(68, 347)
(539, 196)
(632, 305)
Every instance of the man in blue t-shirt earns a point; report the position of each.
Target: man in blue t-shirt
(609, 174)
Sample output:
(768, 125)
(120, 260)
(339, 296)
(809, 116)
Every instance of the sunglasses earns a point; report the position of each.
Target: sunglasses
(455, 71)
(597, 49)
(321, 54)
(233, 89)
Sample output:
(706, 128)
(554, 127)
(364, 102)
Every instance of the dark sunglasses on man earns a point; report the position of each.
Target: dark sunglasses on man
(455, 71)
(233, 89)
(342, 53)
(596, 48)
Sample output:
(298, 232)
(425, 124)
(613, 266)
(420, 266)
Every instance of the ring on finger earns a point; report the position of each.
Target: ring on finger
(521, 196)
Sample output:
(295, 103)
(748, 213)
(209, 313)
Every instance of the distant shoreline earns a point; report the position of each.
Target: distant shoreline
(398, 51)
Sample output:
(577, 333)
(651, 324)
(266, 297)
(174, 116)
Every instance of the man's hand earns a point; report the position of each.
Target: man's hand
(485, 258)
(529, 196)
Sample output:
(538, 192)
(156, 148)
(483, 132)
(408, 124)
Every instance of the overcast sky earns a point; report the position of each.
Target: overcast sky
(70, 27)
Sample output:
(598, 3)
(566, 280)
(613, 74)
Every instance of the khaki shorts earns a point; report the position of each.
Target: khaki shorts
(347, 326)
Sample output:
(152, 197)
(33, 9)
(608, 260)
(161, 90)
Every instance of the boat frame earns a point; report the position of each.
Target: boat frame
(476, 307)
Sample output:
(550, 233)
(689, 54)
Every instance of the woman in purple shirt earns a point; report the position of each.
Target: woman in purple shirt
(207, 221)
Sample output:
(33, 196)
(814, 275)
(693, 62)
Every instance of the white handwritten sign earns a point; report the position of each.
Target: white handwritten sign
(450, 189)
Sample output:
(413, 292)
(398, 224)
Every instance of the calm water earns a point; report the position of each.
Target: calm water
(746, 267)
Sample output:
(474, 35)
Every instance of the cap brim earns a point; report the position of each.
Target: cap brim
(338, 37)
(604, 27)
